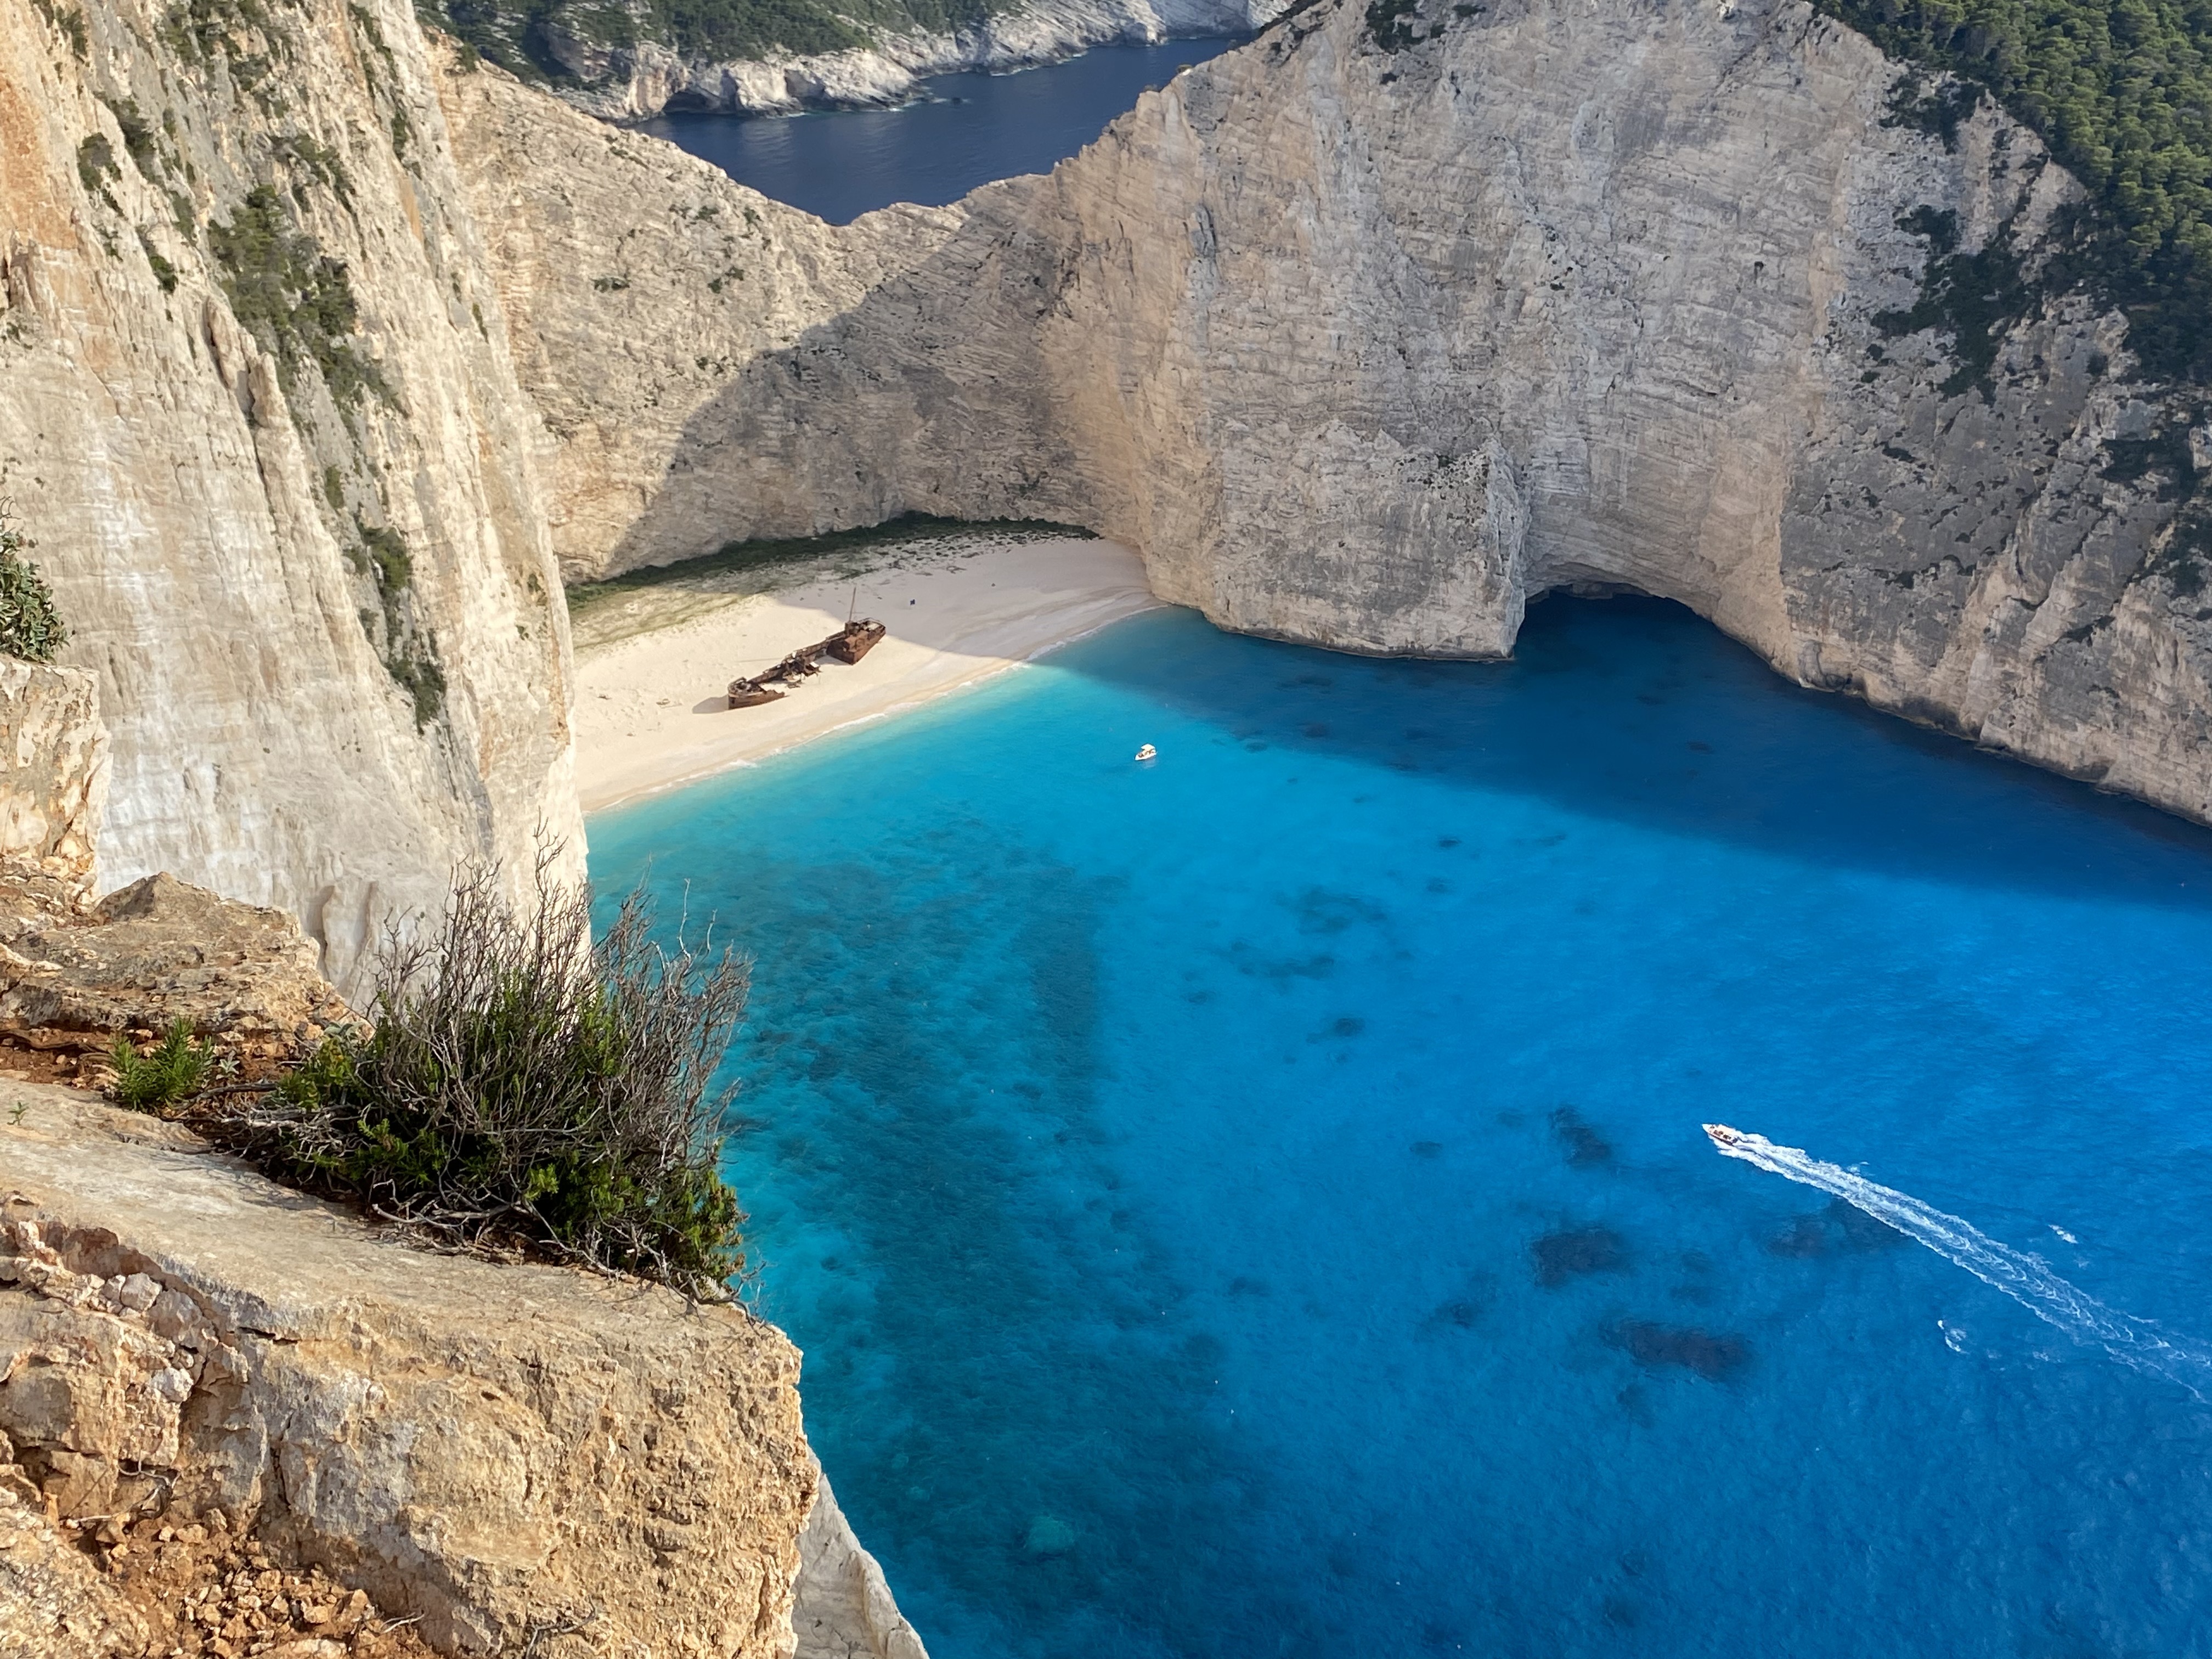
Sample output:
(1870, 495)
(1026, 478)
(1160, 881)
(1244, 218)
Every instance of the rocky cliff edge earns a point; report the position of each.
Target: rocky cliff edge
(511, 1455)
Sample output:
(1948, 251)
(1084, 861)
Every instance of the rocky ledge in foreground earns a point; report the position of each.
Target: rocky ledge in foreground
(216, 1393)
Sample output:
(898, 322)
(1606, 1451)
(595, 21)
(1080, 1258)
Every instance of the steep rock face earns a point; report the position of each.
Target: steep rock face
(53, 771)
(618, 69)
(842, 1609)
(637, 280)
(525, 1458)
(1372, 330)
(273, 453)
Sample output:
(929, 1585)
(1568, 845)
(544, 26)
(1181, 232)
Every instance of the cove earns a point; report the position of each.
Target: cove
(965, 130)
(1255, 1204)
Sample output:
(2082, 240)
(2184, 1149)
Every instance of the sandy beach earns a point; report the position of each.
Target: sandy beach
(652, 668)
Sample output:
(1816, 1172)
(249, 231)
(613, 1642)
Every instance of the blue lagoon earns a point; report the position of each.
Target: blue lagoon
(1255, 1203)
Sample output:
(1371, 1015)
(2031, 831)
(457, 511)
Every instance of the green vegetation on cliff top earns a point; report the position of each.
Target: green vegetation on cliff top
(2121, 90)
(528, 1087)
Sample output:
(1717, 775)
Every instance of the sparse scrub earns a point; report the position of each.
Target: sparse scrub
(298, 303)
(137, 137)
(69, 22)
(525, 1088)
(200, 31)
(95, 165)
(30, 626)
(164, 273)
(519, 34)
(410, 653)
(178, 1069)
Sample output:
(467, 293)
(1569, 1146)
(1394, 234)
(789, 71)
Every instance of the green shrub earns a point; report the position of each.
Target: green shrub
(96, 164)
(524, 1088)
(298, 303)
(178, 1069)
(30, 627)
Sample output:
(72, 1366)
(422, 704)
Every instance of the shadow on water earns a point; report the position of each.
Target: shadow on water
(1001, 1364)
(1637, 710)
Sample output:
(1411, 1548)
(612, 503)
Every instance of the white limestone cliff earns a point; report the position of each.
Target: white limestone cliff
(1365, 334)
(327, 629)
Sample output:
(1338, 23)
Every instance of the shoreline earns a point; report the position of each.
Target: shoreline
(651, 713)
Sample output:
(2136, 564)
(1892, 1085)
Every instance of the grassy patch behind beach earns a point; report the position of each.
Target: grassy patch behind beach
(605, 613)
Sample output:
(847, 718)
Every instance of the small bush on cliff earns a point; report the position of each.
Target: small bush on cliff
(30, 627)
(177, 1069)
(523, 1087)
(292, 298)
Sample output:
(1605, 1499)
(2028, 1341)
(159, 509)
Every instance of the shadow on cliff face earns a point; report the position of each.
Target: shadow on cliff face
(1637, 710)
(904, 404)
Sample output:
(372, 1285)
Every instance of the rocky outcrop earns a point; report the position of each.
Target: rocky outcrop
(642, 75)
(53, 785)
(1371, 331)
(73, 975)
(261, 420)
(843, 1609)
(520, 1458)
(74, 978)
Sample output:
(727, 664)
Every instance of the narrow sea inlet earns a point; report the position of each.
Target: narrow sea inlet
(964, 130)
(1255, 1203)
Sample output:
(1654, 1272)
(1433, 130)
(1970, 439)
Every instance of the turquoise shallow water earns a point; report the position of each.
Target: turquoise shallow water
(1255, 1204)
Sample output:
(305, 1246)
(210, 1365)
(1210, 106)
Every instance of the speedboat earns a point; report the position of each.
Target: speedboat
(1148, 753)
(1723, 1137)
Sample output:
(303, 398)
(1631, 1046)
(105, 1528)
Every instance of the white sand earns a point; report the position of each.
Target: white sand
(651, 710)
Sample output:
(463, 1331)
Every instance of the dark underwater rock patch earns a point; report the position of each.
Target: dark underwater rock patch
(1714, 1356)
(1805, 1236)
(1862, 1231)
(1843, 1226)
(1577, 1251)
(1585, 1146)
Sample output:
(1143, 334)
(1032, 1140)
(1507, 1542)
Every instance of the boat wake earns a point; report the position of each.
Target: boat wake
(2132, 1341)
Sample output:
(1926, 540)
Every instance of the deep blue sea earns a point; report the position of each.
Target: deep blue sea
(967, 130)
(1254, 1204)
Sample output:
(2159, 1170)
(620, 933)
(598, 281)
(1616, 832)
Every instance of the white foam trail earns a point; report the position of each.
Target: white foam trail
(2132, 1341)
